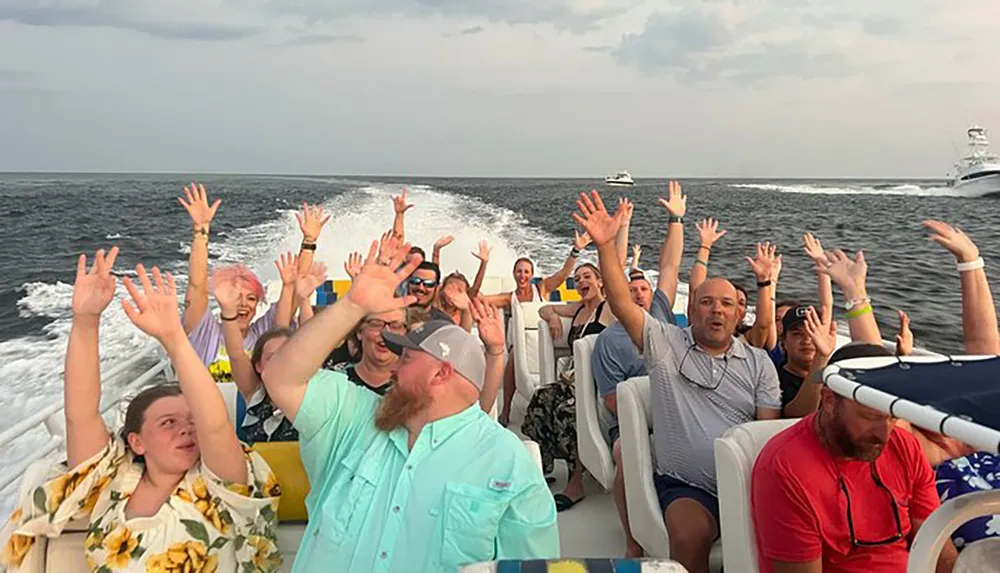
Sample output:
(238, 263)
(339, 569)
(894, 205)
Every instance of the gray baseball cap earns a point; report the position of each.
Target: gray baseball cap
(447, 342)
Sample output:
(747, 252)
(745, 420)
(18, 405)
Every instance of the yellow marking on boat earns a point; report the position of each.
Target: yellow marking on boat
(568, 566)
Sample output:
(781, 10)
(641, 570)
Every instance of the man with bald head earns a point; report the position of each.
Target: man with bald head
(703, 381)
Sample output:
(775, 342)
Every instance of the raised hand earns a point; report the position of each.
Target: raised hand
(483, 254)
(708, 231)
(953, 239)
(306, 284)
(353, 265)
(288, 267)
(823, 333)
(374, 289)
(636, 253)
(676, 202)
(443, 242)
(814, 250)
(155, 311)
(904, 338)
(389, 242)
(601, 227)
(489, 323)
(197, 205)
(624, 204)
(399, 204)
(311, 221)
(94, 289)
(847, 273)
(581, 241)
(456, 295)
(227, 294)
(764, 263)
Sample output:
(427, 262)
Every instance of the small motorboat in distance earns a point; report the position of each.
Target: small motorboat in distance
(620, 178)
(978, 173)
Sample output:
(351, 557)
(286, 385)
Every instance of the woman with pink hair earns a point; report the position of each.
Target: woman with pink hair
(203, 328)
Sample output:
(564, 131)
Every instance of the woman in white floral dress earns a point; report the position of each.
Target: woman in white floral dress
(175, 490)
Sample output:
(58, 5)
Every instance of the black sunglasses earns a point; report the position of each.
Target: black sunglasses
(895, 513)
(428, 283)
(690, 380)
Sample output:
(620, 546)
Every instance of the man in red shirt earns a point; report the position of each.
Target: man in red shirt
(843, 490)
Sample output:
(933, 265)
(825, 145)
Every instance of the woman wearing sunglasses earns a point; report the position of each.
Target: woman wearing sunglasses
(373, 369)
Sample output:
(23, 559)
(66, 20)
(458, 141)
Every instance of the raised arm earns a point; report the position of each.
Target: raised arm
(979, 315)
(709, 233)
(823, 334)
(621, 241)
(603, 227)
(372, 292)
(288, 269)
(483, 254)
(311, 219)
(438, 245)
(489, 322)
(851, 276)
(399, 207)
(672, 249)
(550, 284)
(636, 253)
(458, 297)
(86, 433)
(155, 313)
(305, 286)
(247, 381)
(814, 250)
(195, 202)
(352, 266)
(766, 267)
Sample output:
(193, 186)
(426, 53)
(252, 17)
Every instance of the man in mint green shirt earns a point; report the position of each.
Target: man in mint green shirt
(421, 480)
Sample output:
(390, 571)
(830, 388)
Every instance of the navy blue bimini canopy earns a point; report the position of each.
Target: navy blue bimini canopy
(942, 394)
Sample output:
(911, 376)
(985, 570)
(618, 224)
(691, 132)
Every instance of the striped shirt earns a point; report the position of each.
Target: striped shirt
(693, 406)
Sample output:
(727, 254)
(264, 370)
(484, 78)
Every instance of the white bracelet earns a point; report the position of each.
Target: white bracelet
(971, 265)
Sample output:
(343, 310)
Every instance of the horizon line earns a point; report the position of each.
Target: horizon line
(424, 176)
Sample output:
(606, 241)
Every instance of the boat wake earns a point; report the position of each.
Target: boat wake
(859, 189)
(31, 367)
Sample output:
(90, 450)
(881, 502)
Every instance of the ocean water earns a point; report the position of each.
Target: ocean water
(47, 220)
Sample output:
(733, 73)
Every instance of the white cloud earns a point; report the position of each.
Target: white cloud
(494, 87)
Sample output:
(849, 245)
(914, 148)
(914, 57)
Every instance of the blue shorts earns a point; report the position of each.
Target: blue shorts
(669, 490)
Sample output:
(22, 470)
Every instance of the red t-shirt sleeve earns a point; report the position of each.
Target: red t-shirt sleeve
(924, 498)
(787, 527)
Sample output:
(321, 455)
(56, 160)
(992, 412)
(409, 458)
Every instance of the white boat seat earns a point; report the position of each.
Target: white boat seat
(635, 419)
(595, 455)
(550, 350)
(524, 334)
(735, 454)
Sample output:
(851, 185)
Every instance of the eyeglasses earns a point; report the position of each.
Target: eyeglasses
(427, 283)
(379, 324)
(692, 380)
(895, 514)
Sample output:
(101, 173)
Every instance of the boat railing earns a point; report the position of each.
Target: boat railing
(52, 419)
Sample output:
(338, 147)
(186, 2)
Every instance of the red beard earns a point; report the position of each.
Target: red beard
(398, 406)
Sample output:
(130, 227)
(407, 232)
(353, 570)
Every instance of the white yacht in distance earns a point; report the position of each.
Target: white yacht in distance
(620, 178)
(978, 173)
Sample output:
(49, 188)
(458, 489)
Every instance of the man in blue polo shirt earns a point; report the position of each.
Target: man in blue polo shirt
(420, 480)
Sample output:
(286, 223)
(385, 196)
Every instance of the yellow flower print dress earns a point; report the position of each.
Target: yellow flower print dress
(206, 526)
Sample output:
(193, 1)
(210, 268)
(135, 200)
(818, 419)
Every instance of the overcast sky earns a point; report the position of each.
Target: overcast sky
(743, 88)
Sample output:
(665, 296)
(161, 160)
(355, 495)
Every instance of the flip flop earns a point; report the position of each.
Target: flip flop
(563, 502)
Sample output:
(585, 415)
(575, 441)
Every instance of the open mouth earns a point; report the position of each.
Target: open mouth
(583, 290)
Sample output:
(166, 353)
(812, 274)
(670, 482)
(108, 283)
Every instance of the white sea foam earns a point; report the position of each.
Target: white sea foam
(31, 367)
(841, 189)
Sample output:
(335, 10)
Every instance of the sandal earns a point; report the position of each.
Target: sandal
(563, 502)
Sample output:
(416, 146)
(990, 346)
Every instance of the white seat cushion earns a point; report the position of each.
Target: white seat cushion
(735, 454)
